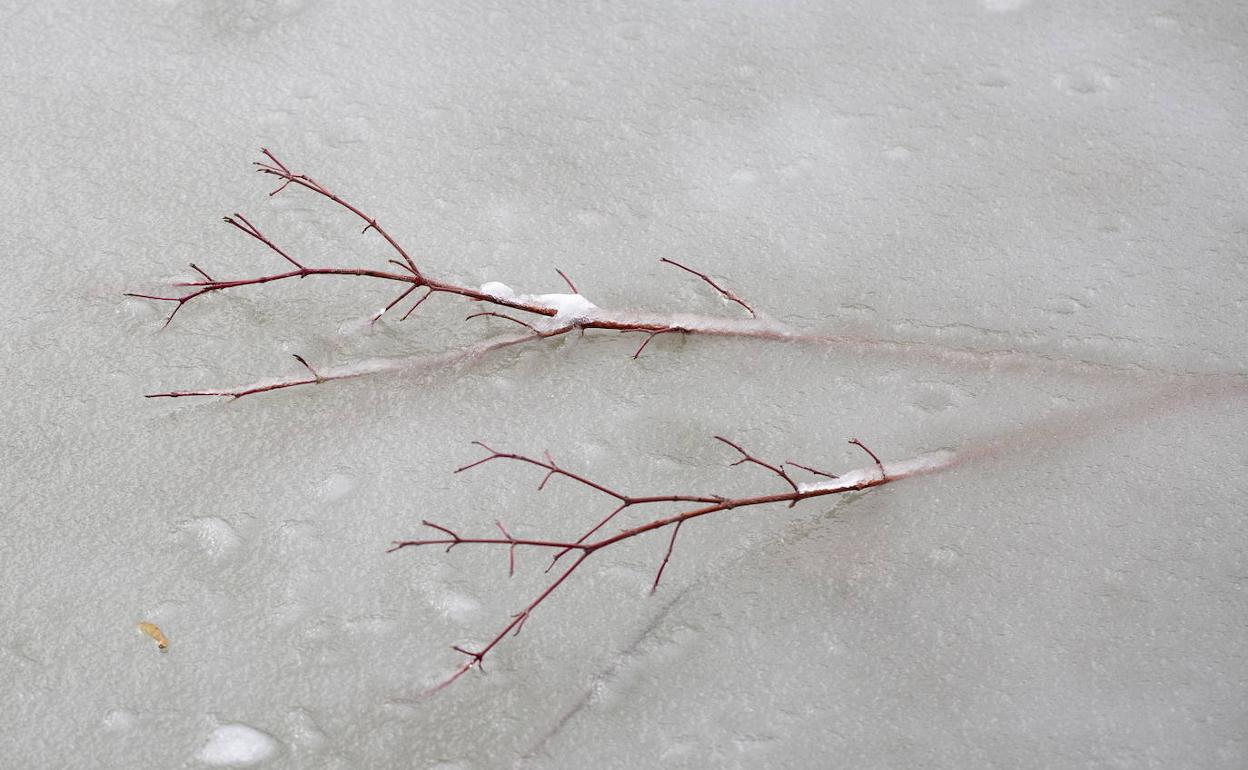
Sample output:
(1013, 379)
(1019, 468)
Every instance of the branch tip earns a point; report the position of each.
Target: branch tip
(567, 280)
(864, 448)
(319, 379)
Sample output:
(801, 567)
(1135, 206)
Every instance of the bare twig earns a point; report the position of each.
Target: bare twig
(308, 366)
(809, 469)
(416, 304)
(276, 168)
(671, 543)
(503, 316)
(396, 301)
(431, 363)
(240, 222)
(567, 280)
(725, 293)
(646, 341)
(746, 457)
(863, 447)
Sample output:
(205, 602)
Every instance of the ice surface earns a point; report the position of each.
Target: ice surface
(1012, 229)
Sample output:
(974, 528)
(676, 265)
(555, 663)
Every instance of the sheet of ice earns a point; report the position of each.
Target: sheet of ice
(1012, 228)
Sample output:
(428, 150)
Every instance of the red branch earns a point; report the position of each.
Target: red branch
(746, 457)
(413, 277)
(586, 546)
(723, 292)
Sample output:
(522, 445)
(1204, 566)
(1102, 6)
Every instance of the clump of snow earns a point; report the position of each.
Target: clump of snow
(567, 307)
(237, 745)
(498, 289)
(573, 307)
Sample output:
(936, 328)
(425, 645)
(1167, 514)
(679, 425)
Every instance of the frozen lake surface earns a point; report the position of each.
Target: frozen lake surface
(1012, 230)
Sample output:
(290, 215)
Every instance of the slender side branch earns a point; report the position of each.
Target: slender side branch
(809, 469)
(377, 316)
(567, 280)
(650, 336)
(503, 316)
(746, 457)
(278, 169)
(240, 222)
(671, 543)
(477, 657)
(725, 293)
(863, 447)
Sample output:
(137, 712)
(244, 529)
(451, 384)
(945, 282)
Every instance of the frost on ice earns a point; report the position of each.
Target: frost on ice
(237, 746)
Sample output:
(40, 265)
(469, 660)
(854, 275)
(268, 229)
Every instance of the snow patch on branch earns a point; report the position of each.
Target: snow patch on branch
(874, 474)
(567, 307)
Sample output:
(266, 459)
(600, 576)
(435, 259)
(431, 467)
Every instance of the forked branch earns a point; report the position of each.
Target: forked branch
(585, 545)
(552, 314)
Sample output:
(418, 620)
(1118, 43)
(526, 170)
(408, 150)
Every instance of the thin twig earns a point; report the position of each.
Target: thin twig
(567, 280)
(863, 447)
(503, 316)
(809, 469)
(746, 457)
(308, 366)
(394, 302)
(725, 293)
(240, 222)
(417, 304)
(671, 543)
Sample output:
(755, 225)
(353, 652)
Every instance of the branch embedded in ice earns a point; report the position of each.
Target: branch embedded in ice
(587, 545)
(553, 314)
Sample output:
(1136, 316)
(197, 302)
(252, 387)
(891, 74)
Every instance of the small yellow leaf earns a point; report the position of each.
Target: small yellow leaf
(153, 631)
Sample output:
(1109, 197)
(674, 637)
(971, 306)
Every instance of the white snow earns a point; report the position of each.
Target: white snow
(925, 463)
(498, 289)
(567, 307)
(237, 745)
